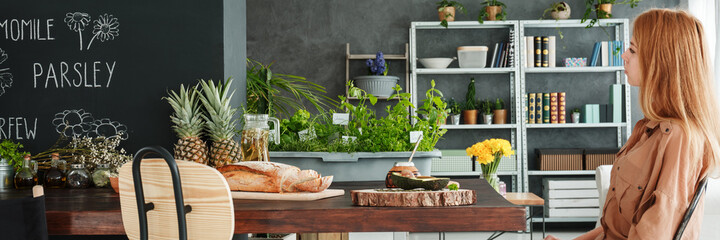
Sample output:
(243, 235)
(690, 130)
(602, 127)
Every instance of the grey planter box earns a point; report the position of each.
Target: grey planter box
(359, 166)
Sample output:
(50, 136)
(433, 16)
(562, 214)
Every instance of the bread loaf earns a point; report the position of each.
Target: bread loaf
(273, 177)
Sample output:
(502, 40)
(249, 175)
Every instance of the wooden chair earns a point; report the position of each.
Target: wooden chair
(156, 204)
(24, 218)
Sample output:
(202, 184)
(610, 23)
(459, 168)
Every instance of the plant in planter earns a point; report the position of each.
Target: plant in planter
(558, 11)
(499, 113)
(433, 106)
(446, 11)
(486, 108)
(576, 115)
(377, 83)
(603, 9)
(10, 153)
(469, 114)
(455, 109)
(494, 10)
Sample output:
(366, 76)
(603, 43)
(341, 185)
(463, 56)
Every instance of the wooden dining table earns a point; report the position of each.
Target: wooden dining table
(97, 212)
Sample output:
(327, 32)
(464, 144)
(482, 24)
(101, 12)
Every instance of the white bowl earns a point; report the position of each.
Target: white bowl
(435, 62)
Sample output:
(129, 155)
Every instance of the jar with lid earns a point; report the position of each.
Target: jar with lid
(26, 178)
(55, 176)
(100, 176)
(78, 177)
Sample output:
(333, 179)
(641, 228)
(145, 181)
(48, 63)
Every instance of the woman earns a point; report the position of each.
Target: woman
(659, 169)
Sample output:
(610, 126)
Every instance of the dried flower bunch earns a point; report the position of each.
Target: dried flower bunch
(89, 151)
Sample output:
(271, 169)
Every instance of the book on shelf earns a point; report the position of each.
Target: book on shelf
(545, 47)
(586, 114)
(546, 107)
(538, 108)
(603, 112)
(616, 101)
(494, 55)
(500, 54)
(554, 107)
(538, 51)
(551, 51)
(611, 53)
(594, 55)
(561, 107)
(511, 49)
(525, 107)
(503, 61)
(531, 108)
(604, 53)
(529, 53)
(609, 115)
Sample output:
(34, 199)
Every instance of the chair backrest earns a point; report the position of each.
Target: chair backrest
(602, 179)
(24, 217)
(691, 209)
(205, 194)
(709, 228)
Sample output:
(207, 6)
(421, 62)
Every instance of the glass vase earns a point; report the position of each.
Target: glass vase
(492, 179)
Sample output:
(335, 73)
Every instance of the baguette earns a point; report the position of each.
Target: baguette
(273, 177)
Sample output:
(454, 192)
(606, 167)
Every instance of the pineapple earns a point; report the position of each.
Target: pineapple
(189, 123)
(219, 122)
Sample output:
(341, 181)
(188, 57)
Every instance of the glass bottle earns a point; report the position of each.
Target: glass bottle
(78, 177)
(55, 177)
(255, 137)
(100, 176)
(26, 178)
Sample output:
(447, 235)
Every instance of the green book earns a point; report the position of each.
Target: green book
(538, 108)
(586, 114)
(531, 108)
(546, 108)
(616, 102)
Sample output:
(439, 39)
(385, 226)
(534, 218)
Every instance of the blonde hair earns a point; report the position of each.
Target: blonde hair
(676, 83)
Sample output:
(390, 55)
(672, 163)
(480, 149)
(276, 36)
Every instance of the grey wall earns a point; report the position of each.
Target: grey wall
(234, 45)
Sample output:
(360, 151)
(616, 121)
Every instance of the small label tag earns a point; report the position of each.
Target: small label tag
(415, 136)
(307, 134)
(341, 118)
(348, 139)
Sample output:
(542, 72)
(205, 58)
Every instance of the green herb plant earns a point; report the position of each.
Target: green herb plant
(486, 107)
(435, 109)
(500, 16)
(499, 104)
(11, 151)
(454, 106)
(591, 6)
(470, 96)
(576, 110)
(445, 3)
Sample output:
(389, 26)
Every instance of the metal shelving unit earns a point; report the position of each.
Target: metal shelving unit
(620, 27)
(512, 72)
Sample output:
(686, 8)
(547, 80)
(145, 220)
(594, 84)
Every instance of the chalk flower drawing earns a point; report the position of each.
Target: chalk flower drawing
(73, 123)
(77, 22)
(6, 78)
(108, 129)
(106, 28)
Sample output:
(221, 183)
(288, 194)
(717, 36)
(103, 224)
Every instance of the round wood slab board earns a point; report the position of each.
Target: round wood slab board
(411, 198)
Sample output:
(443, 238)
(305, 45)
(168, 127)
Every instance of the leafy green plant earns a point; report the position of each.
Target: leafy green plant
(454, 106)
(266, 91)
(576, 110)
(555, 7)
(445, 3)
(591, 6)
(500, 16)
(486, 107)
(11, 151)
(499, 104)
(435, 108)
(470, 96)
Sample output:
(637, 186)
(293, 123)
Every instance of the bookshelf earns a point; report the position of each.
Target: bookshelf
(520, 77)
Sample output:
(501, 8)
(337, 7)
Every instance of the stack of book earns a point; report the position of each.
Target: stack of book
(571, 197)
(611, 112)
(504, 53)
(607, 53)
(539, 51)
(545, 107)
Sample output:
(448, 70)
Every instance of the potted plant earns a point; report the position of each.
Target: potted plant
(446, 11)
(486, 109)
(377, 83)
(494, 10)
(469, 114)
(576, 115)
(499, 113)
(603, 9)
(11, 158)
(558, 11)
(454, 107)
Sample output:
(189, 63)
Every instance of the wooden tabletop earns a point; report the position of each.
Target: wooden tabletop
(97, 212)
(524, 199)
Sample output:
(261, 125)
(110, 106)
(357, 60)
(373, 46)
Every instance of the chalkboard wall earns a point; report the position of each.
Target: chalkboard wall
(100, 68)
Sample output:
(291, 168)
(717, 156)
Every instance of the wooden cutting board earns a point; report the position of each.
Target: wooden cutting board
(300, 196)
(412, 198)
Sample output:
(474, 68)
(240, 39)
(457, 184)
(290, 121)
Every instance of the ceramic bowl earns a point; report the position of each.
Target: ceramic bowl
(435, 62)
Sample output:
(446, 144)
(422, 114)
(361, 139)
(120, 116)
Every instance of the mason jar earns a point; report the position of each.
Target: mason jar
(78, 177)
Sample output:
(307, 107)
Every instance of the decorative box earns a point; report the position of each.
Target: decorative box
(597, 157)
(560, 159)
(575, 62)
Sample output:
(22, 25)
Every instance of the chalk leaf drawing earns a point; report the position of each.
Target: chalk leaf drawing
(6, 78)
(105, 29)
(78, 123)
(77, 22)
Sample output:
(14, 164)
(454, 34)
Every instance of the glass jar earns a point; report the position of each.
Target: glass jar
(55, 176)
(255, 137)
(492, 179)
(26, 177)
(100, 176)
(78, 177)
(398, 168)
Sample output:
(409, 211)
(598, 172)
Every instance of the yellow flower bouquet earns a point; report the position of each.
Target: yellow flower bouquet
(488, 153)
